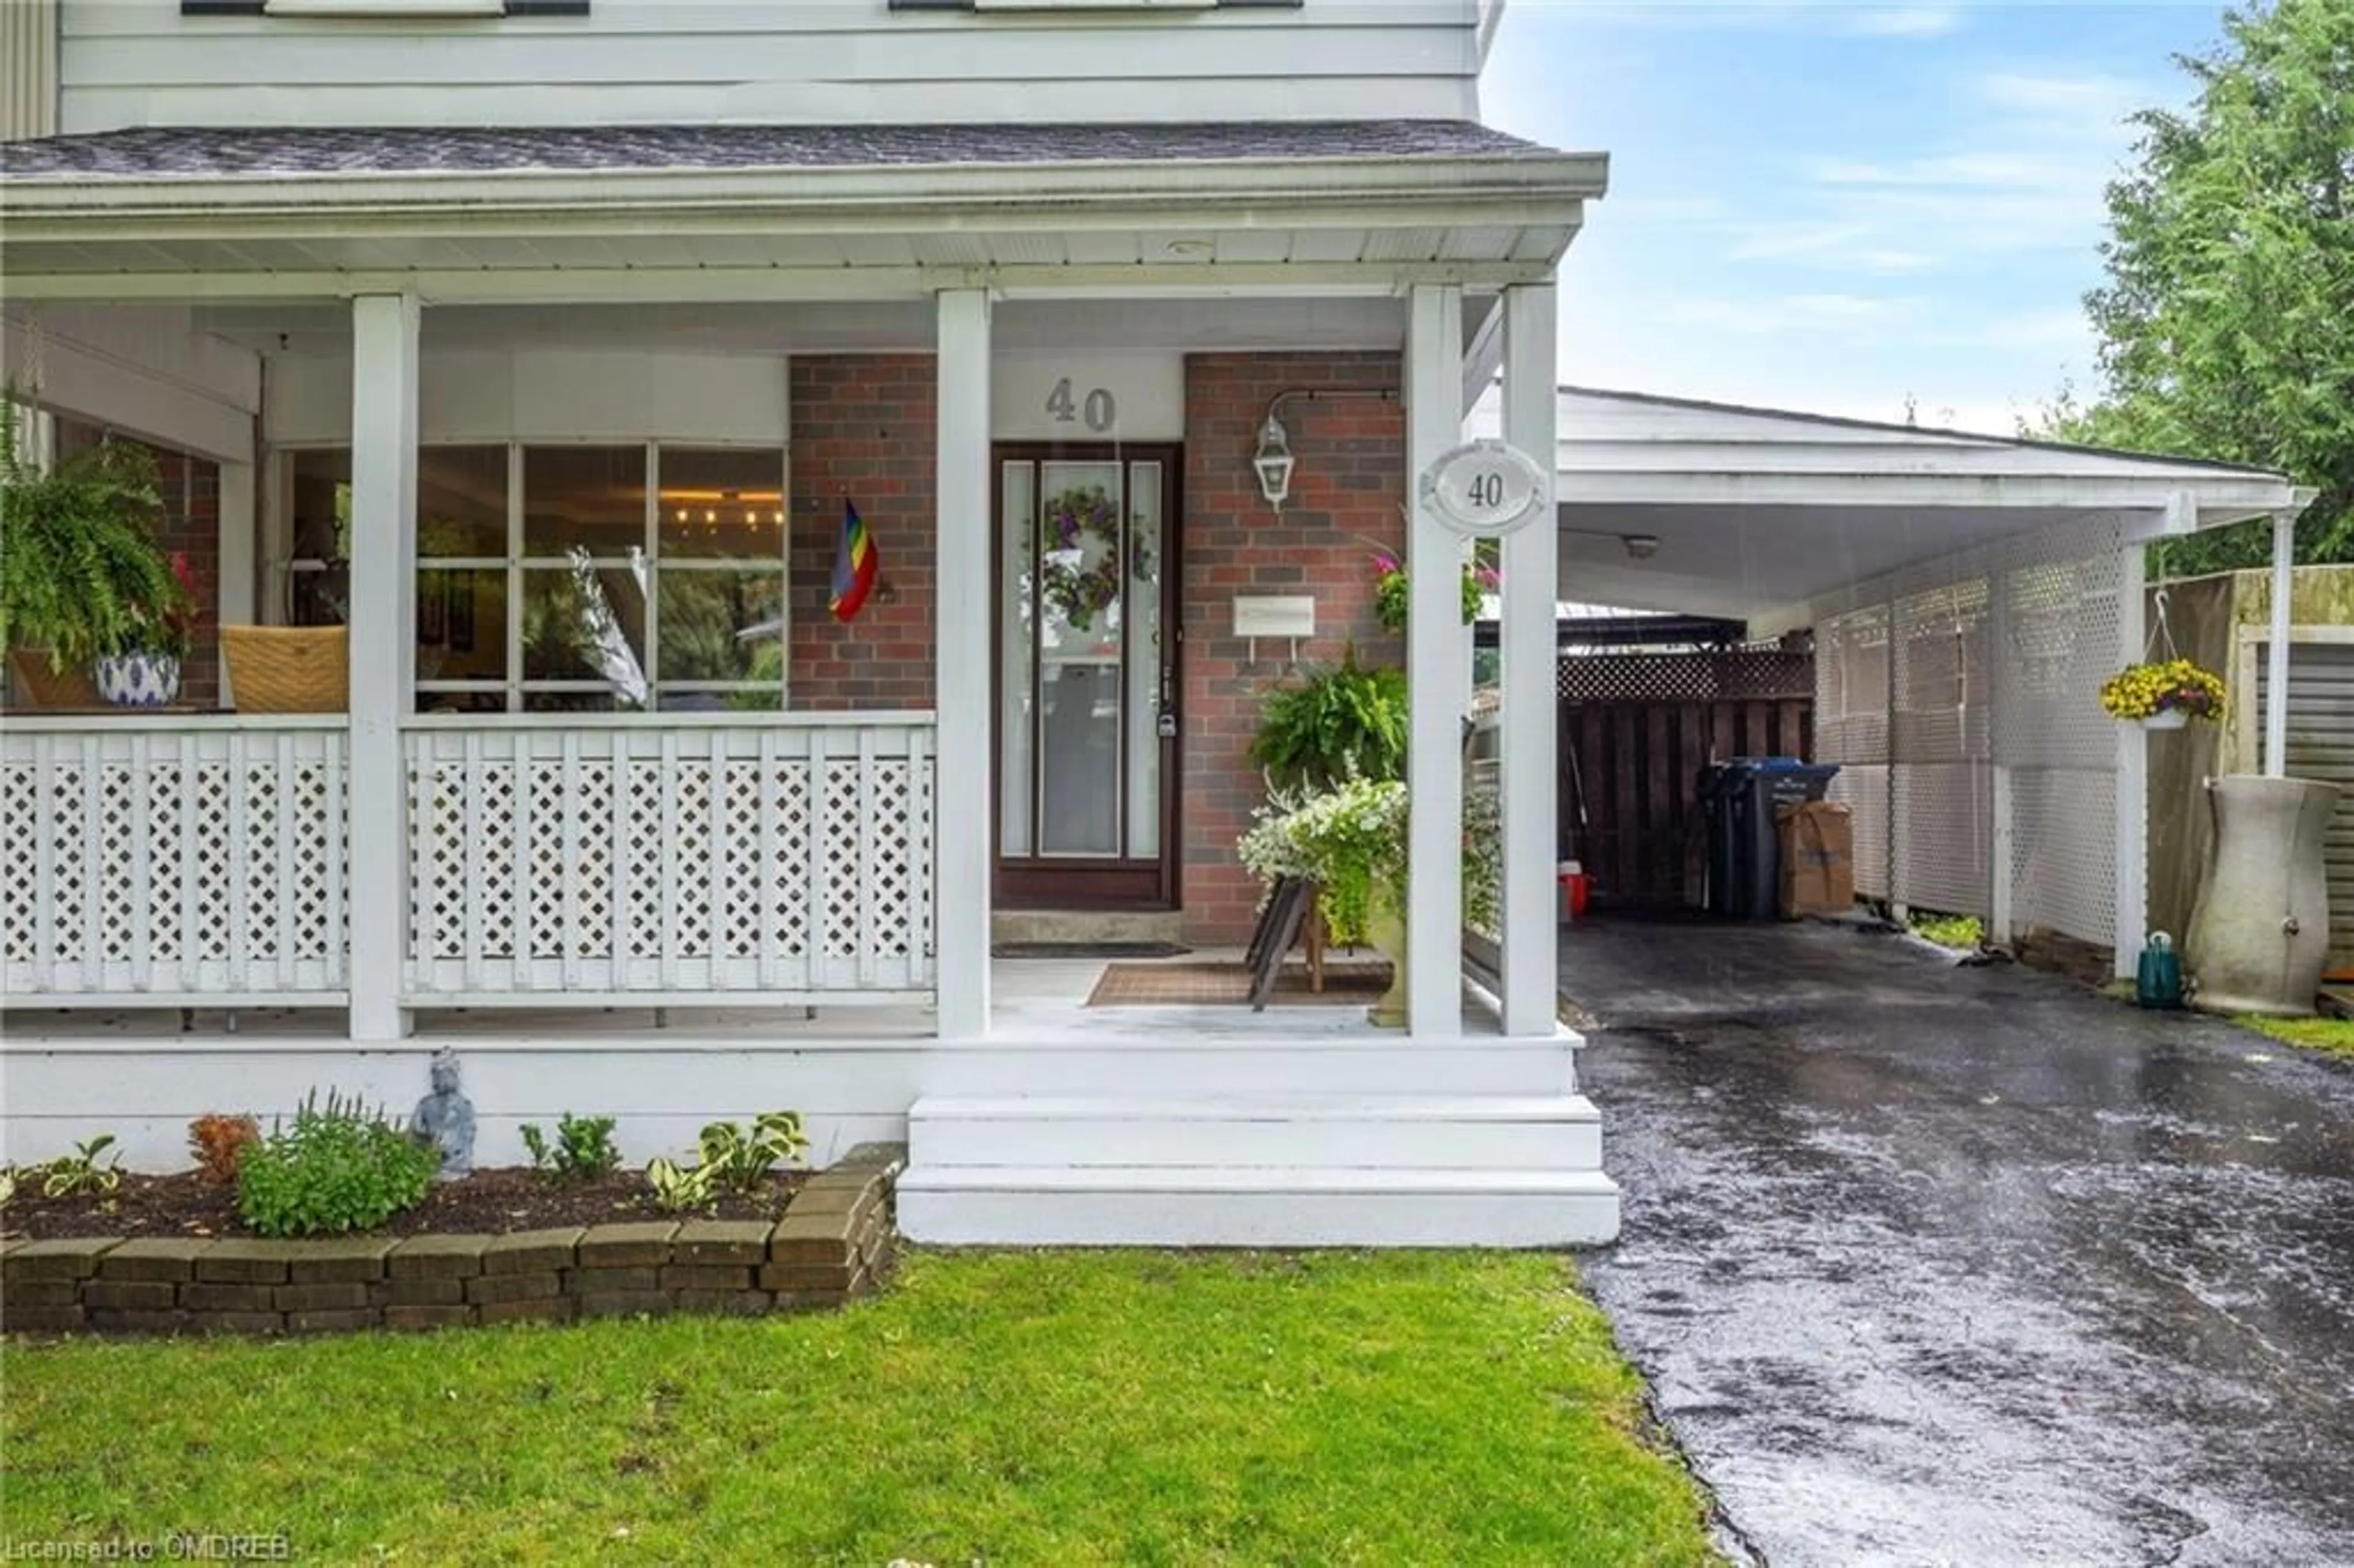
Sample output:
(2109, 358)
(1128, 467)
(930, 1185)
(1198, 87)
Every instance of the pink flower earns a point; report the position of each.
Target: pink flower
(1489, 577)
(1385, 563)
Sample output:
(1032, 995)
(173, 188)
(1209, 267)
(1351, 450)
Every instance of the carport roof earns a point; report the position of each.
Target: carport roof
(1765, 514)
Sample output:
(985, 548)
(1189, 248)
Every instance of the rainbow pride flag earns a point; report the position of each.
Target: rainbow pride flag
(855, 563)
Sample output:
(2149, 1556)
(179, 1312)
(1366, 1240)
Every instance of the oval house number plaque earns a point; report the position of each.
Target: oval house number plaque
(1485, 489)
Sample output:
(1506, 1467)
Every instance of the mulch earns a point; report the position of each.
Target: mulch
(1229, 984)
(492, 1202)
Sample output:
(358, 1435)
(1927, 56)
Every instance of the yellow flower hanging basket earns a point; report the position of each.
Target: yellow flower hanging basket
(2164, 696)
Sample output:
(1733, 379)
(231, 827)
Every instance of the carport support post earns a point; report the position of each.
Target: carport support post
(383, 654)
(1531, 705)
(1434, 653)
(2276, 654)
(2133, 766)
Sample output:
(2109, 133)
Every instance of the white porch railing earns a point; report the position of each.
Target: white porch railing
(160, 860)
(562, 860)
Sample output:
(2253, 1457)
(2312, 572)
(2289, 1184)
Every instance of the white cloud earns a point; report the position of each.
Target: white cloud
(1905, 21)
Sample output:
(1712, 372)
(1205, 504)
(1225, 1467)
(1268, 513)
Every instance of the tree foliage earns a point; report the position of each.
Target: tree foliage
(2226, 321)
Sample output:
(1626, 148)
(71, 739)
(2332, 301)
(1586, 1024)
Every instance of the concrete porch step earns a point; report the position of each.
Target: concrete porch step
(1135, 1205)
(1087, 925)
(1393, 1132)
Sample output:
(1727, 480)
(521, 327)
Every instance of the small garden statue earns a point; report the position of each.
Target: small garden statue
(445, 1118)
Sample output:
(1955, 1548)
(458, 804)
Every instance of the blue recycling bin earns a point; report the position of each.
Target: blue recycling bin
(1743, 799)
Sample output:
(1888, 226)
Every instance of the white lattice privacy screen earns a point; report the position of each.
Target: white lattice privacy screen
(162, 866)
(580, 862)
(1983, 667)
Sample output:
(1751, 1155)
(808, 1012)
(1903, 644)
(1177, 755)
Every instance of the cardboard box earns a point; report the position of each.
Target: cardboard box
(1818, 855)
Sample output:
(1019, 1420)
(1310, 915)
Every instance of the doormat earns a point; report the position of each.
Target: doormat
(1229, 985)
(1088, 950)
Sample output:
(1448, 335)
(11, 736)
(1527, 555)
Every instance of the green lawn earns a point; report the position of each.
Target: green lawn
(1058, 1408)
(2330, 1036)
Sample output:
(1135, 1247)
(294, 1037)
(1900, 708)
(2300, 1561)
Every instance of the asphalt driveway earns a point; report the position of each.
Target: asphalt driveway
(1941, 1265)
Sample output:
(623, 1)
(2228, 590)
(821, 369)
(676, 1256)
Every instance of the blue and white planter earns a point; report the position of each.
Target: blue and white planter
(138, 679)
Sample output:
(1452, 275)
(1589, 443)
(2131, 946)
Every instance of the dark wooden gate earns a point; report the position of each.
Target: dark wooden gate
(1637, 729)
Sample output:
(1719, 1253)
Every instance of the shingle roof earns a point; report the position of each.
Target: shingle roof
(196, 154)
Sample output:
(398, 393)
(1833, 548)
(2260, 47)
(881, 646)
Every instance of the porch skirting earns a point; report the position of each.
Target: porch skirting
(1310, 1134)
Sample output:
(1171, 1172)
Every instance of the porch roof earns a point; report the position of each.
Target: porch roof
(781, 211)
(1767, 516)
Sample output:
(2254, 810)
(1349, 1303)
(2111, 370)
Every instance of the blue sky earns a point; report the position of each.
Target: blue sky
(1835, 207)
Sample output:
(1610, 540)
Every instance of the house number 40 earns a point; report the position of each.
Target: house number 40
(1100, 409)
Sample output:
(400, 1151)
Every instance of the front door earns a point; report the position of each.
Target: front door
(1086, 677)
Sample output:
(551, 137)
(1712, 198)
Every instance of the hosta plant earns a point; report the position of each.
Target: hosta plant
(731, 1160)
(82, 1174)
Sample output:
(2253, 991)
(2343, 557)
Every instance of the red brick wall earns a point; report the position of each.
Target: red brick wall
(190, 487)
(1345, 504)
(863, 427)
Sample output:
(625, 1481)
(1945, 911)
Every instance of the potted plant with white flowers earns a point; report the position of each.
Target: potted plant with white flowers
(1349, 839)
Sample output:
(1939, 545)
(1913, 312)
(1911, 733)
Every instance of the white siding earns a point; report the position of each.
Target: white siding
(805, 62)
(29, 69)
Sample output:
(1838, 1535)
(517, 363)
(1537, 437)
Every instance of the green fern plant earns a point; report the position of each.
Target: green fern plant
(1341, 723)
(81, 572)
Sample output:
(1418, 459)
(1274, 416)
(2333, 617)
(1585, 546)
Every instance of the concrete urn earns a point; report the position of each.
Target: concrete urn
(2261, 932)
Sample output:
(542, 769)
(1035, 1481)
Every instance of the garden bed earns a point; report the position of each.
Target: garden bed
(494, 1202)
(821, 1240)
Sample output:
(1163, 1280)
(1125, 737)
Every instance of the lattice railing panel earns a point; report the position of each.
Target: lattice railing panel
(162, 860)
(1742, 672)
(785, 859)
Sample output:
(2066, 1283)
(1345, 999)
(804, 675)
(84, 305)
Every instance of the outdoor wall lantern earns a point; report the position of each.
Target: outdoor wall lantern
(1274, 462)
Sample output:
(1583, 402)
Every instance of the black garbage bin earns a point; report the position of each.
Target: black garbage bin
(1741, 798)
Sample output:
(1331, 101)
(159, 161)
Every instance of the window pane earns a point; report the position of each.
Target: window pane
(575, 703)
(461, 701)
(722, 625)
(462, 501)
(593, 497)
(461, 624)
(321, 497)
(722, 504)
(586, 623)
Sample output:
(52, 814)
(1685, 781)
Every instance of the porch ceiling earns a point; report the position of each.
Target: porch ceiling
(783, 212)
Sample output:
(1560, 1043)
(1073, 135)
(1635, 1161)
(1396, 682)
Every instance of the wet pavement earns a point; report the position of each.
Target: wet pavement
(1940, 1265)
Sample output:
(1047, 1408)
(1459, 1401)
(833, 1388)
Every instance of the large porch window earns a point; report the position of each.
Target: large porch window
(573, 578)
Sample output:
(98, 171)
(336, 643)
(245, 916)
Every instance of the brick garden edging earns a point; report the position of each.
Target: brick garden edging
(829, 1247)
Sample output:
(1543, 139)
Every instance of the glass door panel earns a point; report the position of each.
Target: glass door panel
(1017, 665)
(1145, 698)
(1081, 546)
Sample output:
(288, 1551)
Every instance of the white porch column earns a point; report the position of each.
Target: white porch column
(383, 653)
(1531, 650)
(960, 826)
(1435, 656)
(2133, 771)
(2277, 653)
